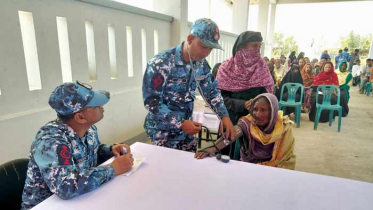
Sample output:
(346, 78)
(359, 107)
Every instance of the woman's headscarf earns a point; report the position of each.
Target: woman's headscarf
(245, 69)
(292, 77)
(272, 146)
(292, 56)
(273, 103)
(340, 66)
(326, 78)
(343, 74)
(300, 56)
(307, 77)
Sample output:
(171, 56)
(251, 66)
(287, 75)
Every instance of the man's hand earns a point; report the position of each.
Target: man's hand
(122, 164)
(201, 155)
(230, 132)
(118, 149)
(191, 127)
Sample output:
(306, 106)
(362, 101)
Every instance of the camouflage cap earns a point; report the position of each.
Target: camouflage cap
(69, 97)
(207, 31)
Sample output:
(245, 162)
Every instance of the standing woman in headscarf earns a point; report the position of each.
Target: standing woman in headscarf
(344, 78)
(244, 76)
(267, 135)
(293, 76)
(291, 58)
(301, 63)
(327, 77)
(307, 76)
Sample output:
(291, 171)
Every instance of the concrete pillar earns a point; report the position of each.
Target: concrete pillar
(178, 9)
(371, 49)
(271, 32)
(240, 11)
(263, 21)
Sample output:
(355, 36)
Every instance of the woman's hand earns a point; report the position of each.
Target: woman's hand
(202, 154)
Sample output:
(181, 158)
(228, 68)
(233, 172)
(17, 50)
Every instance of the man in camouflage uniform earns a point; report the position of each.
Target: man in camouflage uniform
(65, 153)
(169, 86)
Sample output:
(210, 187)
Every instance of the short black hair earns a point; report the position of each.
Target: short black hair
(339, 51)
(369, 59)
(65, 118)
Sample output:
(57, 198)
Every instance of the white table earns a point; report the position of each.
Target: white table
(173, 180)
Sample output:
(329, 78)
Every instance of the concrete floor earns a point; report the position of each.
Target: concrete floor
(348, 154)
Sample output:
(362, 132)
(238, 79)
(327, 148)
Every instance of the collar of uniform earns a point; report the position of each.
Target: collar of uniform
(71, 131)
(179, 57)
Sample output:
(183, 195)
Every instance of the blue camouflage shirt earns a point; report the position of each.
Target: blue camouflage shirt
(64, 164)
(169, 93)
(345, 56)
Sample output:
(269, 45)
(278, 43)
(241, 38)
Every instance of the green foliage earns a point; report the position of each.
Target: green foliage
(283, 46)
(355, 41)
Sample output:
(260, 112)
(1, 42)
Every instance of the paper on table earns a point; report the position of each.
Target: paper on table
(136, 164)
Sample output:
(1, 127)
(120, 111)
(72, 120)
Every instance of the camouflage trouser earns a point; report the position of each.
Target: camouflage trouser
(179, 140)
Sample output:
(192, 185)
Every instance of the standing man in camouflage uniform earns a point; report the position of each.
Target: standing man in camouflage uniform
(64, 154)
(169, 86)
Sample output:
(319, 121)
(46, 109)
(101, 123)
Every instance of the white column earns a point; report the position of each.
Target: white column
(371, 49)
(178, 9)
(240, 16)
(263, 21)
(271, 32)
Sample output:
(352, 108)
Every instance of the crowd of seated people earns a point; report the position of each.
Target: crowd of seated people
(244, 82)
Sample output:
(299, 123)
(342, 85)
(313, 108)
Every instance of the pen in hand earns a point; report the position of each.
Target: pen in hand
(124, 150)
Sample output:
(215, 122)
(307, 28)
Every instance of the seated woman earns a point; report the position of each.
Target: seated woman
(307, 76)
(327, 77)
(268, 135)
(244, 76)
(293, 76)
(344, 78)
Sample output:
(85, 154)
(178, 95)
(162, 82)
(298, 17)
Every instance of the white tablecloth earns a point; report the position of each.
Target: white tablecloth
(173, 180)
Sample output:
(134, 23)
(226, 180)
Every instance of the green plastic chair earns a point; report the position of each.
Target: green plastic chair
(327, 91)
(237, 149)
(368, 88)
(292, 91)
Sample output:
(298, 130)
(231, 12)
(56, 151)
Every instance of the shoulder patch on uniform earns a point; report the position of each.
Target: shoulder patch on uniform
(64, 155)
(157, 81)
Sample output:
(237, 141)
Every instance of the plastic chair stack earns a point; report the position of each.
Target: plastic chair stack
(292, 91)
(327, 91)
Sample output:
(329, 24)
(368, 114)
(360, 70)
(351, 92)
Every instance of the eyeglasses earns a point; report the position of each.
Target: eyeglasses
(84, 85)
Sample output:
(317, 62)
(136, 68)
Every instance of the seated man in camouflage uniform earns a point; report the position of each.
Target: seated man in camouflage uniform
(65, 152)
(169, 85)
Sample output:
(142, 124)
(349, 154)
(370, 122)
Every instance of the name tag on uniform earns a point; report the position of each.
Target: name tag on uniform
(200, 77)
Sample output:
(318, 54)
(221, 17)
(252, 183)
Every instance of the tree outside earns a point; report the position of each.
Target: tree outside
(283, 45)
(355, 41)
